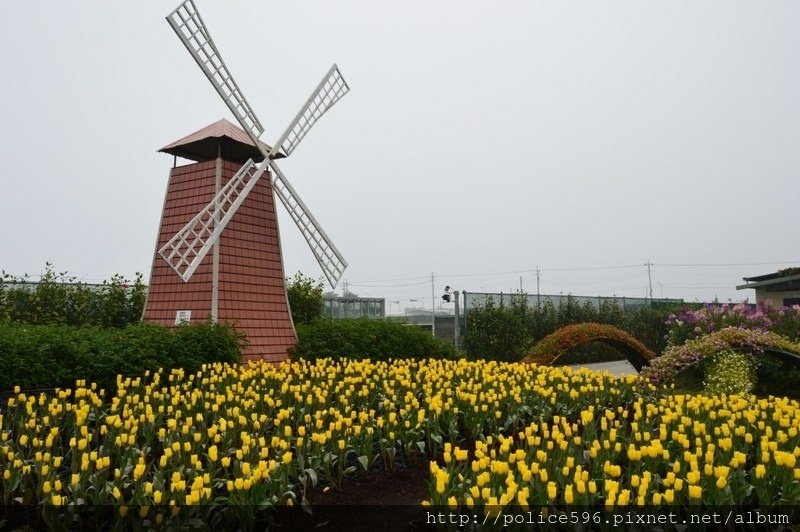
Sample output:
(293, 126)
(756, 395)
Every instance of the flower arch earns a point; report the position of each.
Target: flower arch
(550, 348)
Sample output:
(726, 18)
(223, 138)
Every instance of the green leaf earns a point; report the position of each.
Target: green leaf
(313, 476)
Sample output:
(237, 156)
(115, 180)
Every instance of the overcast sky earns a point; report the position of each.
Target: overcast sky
(477, 138)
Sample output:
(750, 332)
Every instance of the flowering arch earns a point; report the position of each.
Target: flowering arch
(550, 348)
(676, 358)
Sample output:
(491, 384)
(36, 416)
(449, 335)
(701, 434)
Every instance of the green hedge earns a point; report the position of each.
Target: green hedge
(365, 338)
(55, 356)
(57, 298)
(507, 331)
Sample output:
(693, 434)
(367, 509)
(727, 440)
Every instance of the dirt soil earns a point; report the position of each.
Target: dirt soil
(383, 500)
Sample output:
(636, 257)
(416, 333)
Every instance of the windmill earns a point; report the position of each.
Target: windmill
(185, 251)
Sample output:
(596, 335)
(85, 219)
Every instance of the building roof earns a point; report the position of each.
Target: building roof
(220, 138)
(786, 279)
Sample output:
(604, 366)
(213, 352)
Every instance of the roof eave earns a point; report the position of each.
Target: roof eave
(769, 282)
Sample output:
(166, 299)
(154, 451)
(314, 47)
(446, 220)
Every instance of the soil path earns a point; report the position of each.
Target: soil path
(382, 501)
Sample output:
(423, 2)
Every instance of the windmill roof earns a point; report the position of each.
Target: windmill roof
(221, 137)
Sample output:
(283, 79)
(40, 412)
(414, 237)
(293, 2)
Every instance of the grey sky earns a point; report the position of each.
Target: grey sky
(477, 138)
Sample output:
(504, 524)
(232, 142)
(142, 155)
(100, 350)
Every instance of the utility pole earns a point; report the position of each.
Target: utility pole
(433, 306)
(649, 279)
(538, 276)
(458, 322)
(451, 296)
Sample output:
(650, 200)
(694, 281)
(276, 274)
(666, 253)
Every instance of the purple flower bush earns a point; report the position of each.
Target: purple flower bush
(677, 357)
(690, 324)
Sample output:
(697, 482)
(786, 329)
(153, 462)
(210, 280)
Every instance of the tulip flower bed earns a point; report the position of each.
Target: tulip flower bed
(230, 439)
(679, 450)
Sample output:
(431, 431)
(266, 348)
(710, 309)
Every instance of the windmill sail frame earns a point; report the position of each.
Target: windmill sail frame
(181, 251)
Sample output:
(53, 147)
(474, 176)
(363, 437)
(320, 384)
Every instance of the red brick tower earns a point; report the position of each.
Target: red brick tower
(241, 281)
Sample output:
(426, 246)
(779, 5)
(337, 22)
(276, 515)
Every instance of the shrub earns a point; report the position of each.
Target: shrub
(688, 324)
(648, 325)
(57, 298)
(55, 356)
(675, 358)
(777, 377)
(364, 338)
(305, 298)
(499, 332)
(591, 353)
(729, 372)
(507, 332)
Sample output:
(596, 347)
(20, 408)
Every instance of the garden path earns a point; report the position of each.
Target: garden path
(618, 368)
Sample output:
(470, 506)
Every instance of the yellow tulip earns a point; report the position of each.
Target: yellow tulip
(569, 497)
(552, 491)
(452, 503)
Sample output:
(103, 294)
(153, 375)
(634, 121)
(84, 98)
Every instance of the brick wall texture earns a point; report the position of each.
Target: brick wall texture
(252, 290)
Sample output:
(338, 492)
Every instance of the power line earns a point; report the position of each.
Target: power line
(386, 285)
(697, 287)
(719, 264)
(394, 280)
(368, 284)
(593, 268)
(583, 279)
(484, 274)
(541, 270)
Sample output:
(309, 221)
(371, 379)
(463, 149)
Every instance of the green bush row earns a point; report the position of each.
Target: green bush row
(507, 332)
(55, 356)
(365, 338)
(58, 298)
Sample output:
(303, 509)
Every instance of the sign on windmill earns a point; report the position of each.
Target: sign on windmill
(218, 252)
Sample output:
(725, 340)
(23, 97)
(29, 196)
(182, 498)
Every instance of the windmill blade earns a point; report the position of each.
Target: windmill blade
(189, 27)
(185, 251)
(328, 92)
(328, 257)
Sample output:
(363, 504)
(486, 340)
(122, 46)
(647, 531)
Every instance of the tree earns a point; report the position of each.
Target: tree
(305, 298)
(499, 332)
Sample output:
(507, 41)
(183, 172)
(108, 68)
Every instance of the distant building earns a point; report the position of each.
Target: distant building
(780, 289)
(337, 307)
